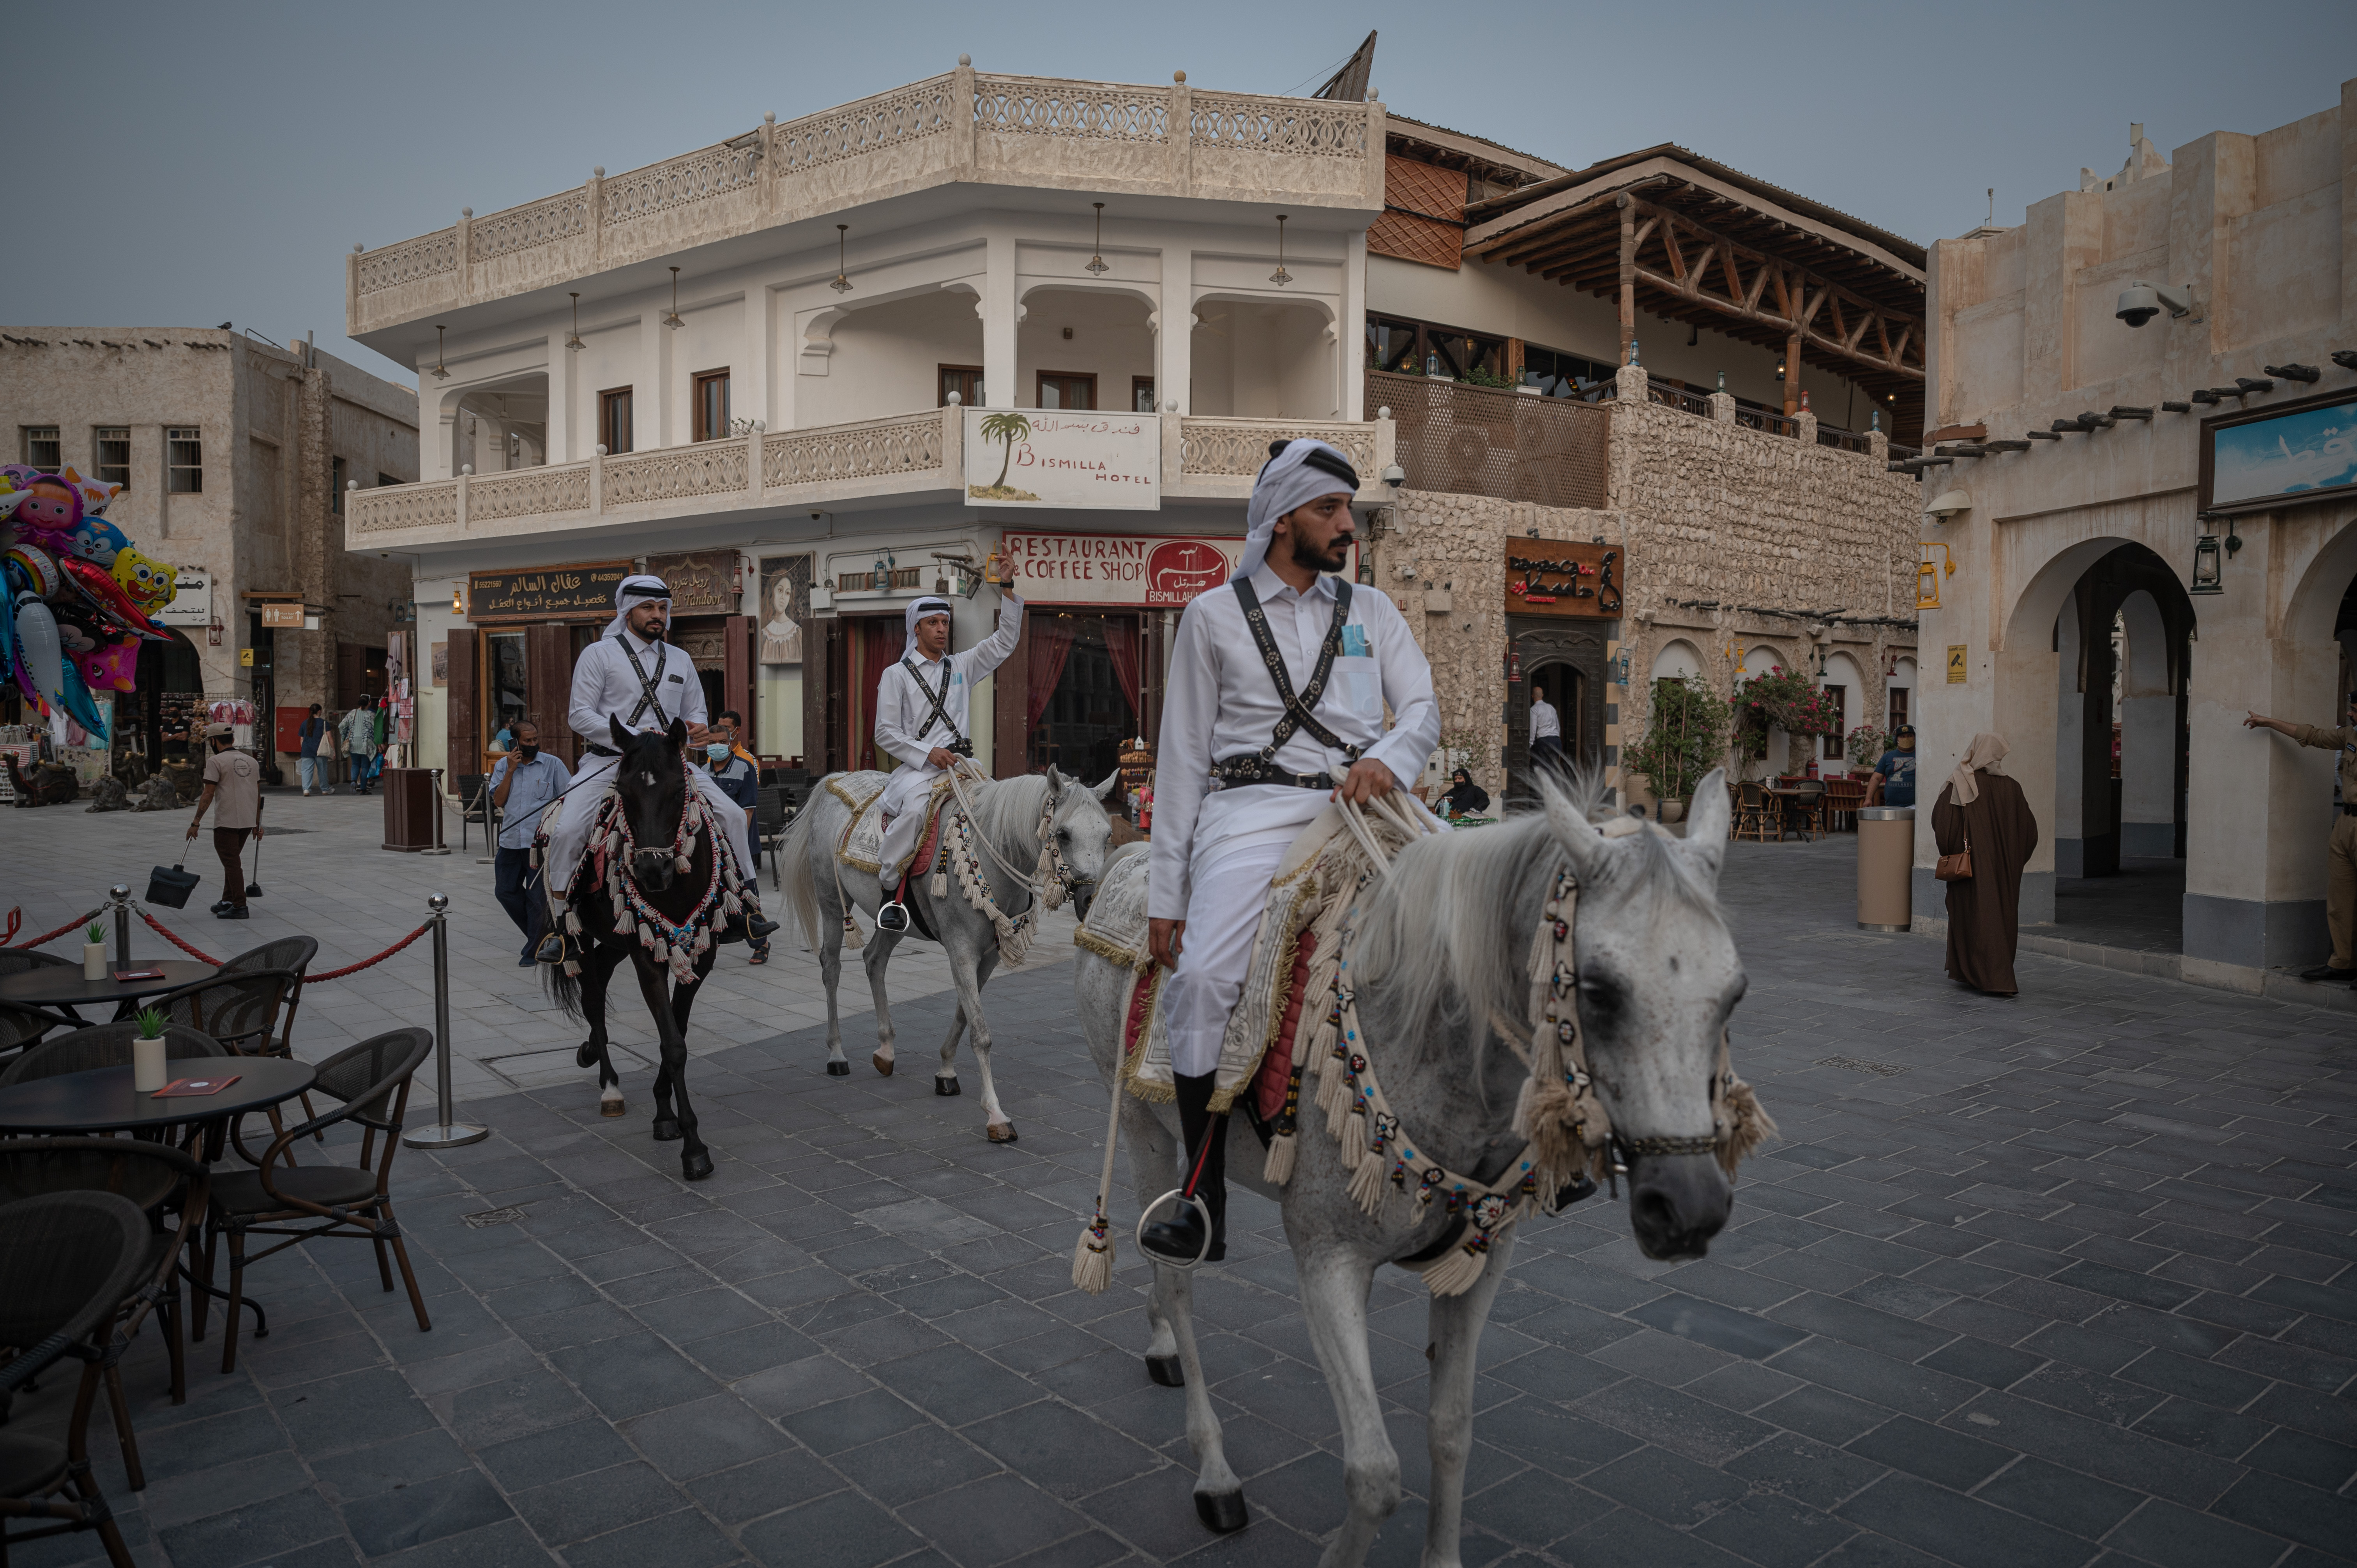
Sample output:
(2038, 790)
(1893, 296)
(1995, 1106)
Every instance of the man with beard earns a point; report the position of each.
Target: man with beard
(632, 675)
(1275, 705)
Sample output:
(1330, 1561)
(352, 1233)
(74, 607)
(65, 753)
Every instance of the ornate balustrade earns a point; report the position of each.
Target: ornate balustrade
(908, 444)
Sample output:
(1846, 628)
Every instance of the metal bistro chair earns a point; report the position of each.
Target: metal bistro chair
(1753, 810)
(21, 1024)
(69, 1259)
(1803, 811)
(156, 1176)
(301, 1202)
(290, 955)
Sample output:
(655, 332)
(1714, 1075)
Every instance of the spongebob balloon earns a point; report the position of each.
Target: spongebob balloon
(151, 583)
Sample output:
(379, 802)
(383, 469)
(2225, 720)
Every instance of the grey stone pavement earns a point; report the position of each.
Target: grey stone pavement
(2049, 1280)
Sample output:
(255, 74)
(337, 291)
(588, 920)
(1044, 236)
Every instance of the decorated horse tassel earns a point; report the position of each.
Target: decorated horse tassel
(1367, 1184)
(1277, 1168)
(1455, 1272)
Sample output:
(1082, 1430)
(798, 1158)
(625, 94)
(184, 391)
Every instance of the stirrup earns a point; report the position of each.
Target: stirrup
(1180, 1195)
(550, 948)
(893, 917)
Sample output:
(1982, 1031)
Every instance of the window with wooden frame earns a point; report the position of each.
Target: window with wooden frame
(1141, 394)
(184, 459)
(963, 380)
(710, 421)
(42, 448)
(1426, 348)
(614, 420)
(1837, 745)
(1898, 709)
(112, 443)
(1067, 390)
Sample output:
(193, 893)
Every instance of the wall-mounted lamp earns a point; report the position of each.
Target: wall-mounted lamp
(458, 598)
(1928, 574)
(1514, 665)
(575, 342)
(1097, 261)
(673, 320)
(2207, 567)
(1620, 668)
(842, 284)
(1280, 277)
(439, 373)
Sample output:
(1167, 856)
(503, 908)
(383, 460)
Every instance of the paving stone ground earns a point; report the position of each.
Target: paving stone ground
(2056, 1280)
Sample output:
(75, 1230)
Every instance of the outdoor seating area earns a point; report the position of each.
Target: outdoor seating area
(1809, 808)
(135, 1172)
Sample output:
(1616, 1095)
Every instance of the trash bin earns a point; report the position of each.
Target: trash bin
(1886, 867)
(409, 809)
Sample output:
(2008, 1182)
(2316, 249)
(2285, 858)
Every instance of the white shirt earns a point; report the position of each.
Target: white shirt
(603, 685)
(902, 710)
(1544, 720)
(1220, 700)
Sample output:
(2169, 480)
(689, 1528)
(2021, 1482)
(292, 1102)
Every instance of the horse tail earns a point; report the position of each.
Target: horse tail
(800, 889)
(563, 987)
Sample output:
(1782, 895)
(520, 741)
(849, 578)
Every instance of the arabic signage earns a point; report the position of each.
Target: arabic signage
(1048, 457)
(1558, 577)
(193, 604)
(2293, 454)
(546, 593)
(702, 582)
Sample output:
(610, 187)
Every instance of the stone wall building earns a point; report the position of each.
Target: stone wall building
(2147, 487)
(236, 455)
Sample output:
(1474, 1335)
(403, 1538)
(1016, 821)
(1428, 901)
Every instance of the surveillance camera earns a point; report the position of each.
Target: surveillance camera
(1949, 504)
(1395, 475)
(2141, 301)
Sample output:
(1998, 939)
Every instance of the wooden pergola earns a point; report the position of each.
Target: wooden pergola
(1682, 237)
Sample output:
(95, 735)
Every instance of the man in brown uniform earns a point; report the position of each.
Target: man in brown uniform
(2340, 849)
(234, 779)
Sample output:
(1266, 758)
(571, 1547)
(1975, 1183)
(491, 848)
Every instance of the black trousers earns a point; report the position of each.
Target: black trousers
(1206, 1147)
(520, 895)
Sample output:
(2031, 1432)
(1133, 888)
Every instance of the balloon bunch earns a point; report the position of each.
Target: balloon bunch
(79, 597)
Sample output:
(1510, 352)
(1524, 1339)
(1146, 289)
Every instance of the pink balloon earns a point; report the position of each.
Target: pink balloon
(114, 667)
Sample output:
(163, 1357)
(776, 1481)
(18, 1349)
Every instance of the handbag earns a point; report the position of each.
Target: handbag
(170, 886)
(1956, 867)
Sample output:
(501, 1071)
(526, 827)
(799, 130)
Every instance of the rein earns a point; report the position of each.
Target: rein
(1047, 882)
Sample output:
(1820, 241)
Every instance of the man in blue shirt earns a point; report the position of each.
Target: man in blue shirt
(732, 768)
(525, 779)
(1895, 771)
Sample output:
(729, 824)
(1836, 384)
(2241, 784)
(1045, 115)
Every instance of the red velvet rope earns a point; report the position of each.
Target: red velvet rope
(169, 936)
(16, 917)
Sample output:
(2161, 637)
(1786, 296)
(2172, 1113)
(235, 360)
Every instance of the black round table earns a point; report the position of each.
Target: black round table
(58, 985)
(102, 1100)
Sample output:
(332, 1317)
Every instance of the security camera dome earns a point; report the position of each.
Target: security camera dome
(2139, 305)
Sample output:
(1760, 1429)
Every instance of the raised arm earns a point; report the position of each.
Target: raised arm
(993, 651)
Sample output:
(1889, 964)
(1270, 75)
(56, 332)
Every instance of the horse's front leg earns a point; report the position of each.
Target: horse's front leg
(968, 975)
(695, 1161)
(877, 957)
(1334, 1281)
(1456, 1323)
(597, 972)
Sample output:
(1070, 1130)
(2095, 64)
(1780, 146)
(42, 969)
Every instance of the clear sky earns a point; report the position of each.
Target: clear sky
(195, 164)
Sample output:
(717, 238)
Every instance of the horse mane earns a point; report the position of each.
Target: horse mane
(1008, 811)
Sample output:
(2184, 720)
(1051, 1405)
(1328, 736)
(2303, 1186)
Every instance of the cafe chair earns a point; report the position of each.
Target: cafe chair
(156, 1176)
(279, 1197)
(98, 1045)
(238, 1007)
(1753, 813)
(1803, 811)
(287, 955)
(69, 1259)
(20, 1023)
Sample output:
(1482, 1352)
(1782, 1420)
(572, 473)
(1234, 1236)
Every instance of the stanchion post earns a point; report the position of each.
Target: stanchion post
(121, 893)
(439, 847)
(444, 1133)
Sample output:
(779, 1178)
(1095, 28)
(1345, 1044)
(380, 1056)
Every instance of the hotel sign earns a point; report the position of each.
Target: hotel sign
(1052, 457)
(547, 593)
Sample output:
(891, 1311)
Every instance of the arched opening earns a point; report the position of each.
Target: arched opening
(1783, 755)
(1262, 359)
(1844, 684)
(500, 424)
(1083, 349)
(1898, 695)
(873, 359)
(166, 687)
(1677, 659)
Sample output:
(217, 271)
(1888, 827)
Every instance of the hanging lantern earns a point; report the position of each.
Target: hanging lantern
(1514, 665)
(2209, 566)
(1928, 574)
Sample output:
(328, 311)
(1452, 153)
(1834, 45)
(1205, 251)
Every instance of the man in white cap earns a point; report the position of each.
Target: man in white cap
(632, 675)
(922, 706)
(1275, 705)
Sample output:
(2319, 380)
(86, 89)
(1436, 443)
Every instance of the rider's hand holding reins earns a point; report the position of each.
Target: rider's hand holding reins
(1367, 780)
(941, 757)
(1165, 940)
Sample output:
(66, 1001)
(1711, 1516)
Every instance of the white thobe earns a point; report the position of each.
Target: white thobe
(907, 731)
(603, 689)
(1215, 850)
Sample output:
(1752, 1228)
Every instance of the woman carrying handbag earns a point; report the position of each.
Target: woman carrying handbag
(1984, 832)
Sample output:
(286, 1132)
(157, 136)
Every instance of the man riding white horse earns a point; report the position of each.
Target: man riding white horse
(631, 676)
(1278, 683)
(923, 706)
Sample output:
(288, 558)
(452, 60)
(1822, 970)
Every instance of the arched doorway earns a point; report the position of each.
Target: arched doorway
(168, 678)
(1566, 661)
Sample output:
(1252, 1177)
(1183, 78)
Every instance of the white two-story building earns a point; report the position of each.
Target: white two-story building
(778, 371)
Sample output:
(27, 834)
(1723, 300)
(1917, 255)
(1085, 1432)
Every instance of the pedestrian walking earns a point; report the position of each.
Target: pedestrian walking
(306, 766)
(233, 782)
(2340, 848)
(523, 782)
(358, 732)
(1546, 730)
(1982, 815)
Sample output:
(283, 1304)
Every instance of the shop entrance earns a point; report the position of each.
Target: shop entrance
(2125, 641)
(857, 651)
(1083, 697)
(1567, 662)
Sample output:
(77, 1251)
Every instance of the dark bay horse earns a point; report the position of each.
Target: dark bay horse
(677, 897)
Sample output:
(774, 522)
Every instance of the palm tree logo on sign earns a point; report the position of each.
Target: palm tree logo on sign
(1008, 428)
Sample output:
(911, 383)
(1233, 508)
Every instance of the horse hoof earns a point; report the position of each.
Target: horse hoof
(588, 1055)
(946, 1086)
(1166, 1372)
(666, 1129)
(883, 1063)
(838, 1070)
(1000, 1132)
(609, 1104)
(698, 1165)
(1222, 1511)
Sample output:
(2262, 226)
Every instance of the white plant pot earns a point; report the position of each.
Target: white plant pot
(93, 960)
(149, 1071)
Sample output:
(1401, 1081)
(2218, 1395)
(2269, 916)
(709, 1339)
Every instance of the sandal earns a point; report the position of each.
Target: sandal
(759, 955)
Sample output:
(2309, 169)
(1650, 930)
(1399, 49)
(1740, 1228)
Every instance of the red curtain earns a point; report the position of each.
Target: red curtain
(875, 643)
(1121, 647)
(1051, 643)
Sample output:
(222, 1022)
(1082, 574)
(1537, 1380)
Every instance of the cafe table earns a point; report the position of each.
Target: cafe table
(61, 985)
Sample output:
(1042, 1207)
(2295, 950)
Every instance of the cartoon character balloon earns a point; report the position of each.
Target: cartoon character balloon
(150, 584)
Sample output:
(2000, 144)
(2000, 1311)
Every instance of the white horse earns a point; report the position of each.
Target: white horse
(1441, 949)
(1009, 816)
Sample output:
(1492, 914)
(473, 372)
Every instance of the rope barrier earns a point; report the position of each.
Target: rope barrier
(170, 936)
(17, 916)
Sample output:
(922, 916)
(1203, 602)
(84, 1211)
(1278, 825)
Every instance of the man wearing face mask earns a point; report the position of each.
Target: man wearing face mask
(525, 780)
(735, 773)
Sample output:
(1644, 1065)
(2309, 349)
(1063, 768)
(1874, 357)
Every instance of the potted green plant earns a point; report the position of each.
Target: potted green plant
(94, 951)
(149, 1070)
(1684, 739)
(1867, 745)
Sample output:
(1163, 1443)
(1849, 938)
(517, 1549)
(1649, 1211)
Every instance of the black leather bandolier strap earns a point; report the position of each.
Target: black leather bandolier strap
(957, 744)
(1259, 767)
(647, 698)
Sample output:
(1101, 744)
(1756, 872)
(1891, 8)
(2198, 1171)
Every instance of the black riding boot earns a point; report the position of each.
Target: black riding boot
(1181, 1239)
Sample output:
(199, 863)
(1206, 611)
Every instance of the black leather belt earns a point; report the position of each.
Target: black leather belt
(1248, 768)
(593, 749)
(960, 748)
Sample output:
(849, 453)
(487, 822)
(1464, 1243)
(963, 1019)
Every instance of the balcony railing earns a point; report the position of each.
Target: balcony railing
(1174, 141)
(917, 456)
(1461, 439)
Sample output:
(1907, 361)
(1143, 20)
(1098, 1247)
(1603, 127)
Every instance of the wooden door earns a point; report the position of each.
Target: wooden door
(464, 743)
(548, 688)
(1010, 745)
(737, 675)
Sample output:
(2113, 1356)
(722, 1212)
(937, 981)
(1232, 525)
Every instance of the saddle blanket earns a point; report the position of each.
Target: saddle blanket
(862, 845)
